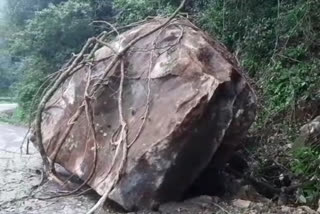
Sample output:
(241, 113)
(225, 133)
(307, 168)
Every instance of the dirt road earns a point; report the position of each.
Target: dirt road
(20, 172)
(11, 137)
(9, 106)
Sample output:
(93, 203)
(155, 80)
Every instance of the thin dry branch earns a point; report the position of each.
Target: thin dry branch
(51, 78)
(105, 44)
(90, 119)
(44, 101)
(122, 142)
(154, 44)
(85, 106)
(133, 42)
(145, 116)
(123, 134)
(130, 25)
(101, 36)
(70, 124)
(74, 118)
(49, 167)
(107, 23)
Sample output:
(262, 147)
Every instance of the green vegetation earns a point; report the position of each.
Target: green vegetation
(13, 117)
(276, 41)
(306, 164)
(47, 41)
(38, 37)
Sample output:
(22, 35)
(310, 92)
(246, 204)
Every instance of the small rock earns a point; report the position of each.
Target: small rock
(307, 210)
(241, 203)
(289, 146)
(318, 210)
(285, 209)
(249, 193)
(259, 204)
(311, 127)
(309, 131)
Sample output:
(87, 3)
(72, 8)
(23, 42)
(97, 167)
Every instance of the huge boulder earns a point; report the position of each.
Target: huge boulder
(197, 103)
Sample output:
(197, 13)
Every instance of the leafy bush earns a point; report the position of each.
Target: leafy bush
(29, 85)
(306, 164)
(278, 45)
(46, 41)
(135, 10)
(55, 32)
(275, 43)
(289, 84)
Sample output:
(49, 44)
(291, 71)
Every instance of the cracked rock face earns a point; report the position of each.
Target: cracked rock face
(198, 106)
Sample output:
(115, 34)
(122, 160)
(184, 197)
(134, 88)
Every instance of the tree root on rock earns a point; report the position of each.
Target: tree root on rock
(76, 63)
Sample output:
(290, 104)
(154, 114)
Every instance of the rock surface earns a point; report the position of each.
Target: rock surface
(310, 132)
(195, 99)
(241, 203)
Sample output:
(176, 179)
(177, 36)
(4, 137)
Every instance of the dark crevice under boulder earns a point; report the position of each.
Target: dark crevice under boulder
(200, 108)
